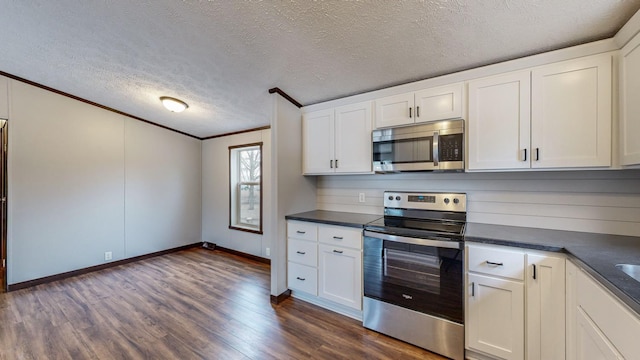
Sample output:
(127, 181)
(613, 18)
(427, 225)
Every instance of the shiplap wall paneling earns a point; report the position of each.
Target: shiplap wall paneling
(593, 201)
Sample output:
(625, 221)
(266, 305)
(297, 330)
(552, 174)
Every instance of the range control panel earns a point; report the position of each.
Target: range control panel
(426, 201)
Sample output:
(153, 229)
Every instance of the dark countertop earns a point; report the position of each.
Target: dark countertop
(335, 218)
(599, 253)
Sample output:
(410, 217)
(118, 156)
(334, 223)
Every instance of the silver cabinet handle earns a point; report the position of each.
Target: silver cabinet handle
(338, 251)
(338, 237)
(417, 111)
(436, 155)
(494, 263)
(301, 279)
(336, 163)
(473, 289)
(331, 164)
(301, 232)
(408, 297)
(301, 252)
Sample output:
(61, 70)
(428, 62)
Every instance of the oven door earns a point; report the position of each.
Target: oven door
(418, 274)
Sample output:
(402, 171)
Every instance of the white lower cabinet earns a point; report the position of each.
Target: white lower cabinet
(325, 265)
(340, 277)
(591, 343)
(515, 301)
(599, 326)
(495, 320)
(545, 294)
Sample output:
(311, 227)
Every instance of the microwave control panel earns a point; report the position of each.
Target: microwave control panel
(451, 147)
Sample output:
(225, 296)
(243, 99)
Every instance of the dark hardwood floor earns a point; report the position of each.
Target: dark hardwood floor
(193, 304)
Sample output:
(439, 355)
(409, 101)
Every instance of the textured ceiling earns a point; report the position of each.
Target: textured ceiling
(222, 56)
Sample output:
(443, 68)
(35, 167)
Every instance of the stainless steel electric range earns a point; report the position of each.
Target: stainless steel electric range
(413, 271)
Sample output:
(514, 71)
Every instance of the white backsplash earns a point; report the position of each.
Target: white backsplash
(606, 201)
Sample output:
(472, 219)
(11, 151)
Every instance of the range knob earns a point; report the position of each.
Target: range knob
(390, 197)
(446, 200)
(398, 198)
(455, 200)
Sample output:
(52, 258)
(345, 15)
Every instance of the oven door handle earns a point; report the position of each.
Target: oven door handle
(415, 241)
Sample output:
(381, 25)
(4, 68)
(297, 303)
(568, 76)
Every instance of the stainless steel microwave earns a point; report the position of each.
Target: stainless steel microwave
(433, 146)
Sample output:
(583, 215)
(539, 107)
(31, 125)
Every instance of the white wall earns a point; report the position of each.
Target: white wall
(292, 192)
(76, 186)
(215, 194)
(162, 189)
(589, 201)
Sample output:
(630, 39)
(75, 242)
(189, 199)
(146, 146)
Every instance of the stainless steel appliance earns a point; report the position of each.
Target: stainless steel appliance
(434, 146)
(413, 271)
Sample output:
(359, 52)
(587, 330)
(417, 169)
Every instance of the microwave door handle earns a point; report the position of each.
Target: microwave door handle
(436, 154)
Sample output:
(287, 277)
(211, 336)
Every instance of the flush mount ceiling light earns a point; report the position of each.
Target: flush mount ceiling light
(173, 104)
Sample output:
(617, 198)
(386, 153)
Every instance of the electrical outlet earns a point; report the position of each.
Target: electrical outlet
(361, 197)
(268, 252)
(108, 256)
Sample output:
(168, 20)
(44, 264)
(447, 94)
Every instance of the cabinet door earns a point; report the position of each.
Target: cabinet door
(496, 316)
(630, 106)
(4, 98)
(353, 138)
(340, 275)
(318, 142)
(441, 103)
(545, 307)
(499, 122)
(394, 110)
(591, 343)
(571, 113)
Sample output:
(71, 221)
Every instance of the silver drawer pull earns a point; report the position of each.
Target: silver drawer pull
(408, 297)
(337, 251)
(301, 279)
(301, 232)
(301, 252)
(494, 263)
(338, 237)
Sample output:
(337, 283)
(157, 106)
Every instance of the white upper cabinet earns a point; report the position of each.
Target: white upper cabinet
(337, 140)
(571, 113)
(394, 110)
(554, 116)
(353, 138)
(4, 97)
(439, 103)
(629, 104)
(318, 142)
(499, 122)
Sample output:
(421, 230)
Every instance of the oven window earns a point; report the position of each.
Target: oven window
(404, 151)
(421, 278)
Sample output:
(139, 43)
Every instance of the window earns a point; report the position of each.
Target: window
(245, 192)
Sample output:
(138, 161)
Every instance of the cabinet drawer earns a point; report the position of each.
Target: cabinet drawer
(340, 236)
(496, 261)
(302, 278)
(302, 230)
(302, 252)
